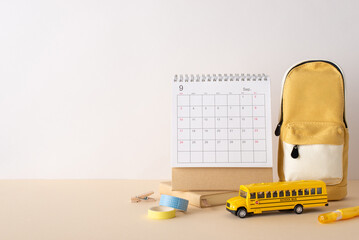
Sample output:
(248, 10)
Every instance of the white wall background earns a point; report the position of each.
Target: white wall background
(85, 86)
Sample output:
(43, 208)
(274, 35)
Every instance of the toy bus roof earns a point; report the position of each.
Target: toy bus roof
(255, 187)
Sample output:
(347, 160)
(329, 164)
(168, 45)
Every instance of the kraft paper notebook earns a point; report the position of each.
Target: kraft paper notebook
(200, 199)
(221, 131)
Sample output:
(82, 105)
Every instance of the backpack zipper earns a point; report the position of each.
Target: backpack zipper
(277, 130)
(295, 152)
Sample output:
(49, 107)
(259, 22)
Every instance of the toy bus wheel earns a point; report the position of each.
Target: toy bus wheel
(242, 212)
(298, 209)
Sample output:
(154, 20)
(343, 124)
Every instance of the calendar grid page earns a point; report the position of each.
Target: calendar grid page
(221, 124)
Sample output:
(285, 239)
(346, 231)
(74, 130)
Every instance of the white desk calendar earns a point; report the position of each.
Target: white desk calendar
(221, 121)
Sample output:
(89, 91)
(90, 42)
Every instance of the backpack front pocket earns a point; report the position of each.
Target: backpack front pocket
(313, 151)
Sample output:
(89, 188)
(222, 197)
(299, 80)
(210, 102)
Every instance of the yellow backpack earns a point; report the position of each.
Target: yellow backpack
(312, 130)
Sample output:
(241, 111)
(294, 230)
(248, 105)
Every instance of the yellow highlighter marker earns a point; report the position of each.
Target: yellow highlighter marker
(344, 213)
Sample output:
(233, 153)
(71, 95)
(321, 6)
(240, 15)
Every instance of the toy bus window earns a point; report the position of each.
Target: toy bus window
(243, 194)
(306, 191)
(260, 195)
(253, 195)
(287, 193)
(281, 193)
(319, 190)
(268, 195)
(275, 194)
(294, 193)
(312, 191)
(300, 192)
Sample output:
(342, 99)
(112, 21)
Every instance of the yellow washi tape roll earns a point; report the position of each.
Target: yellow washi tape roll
(161, 212)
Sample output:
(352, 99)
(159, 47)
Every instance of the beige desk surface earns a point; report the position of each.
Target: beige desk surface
(101, 209)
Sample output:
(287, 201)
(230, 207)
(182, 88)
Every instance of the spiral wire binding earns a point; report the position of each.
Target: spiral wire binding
(219, 77)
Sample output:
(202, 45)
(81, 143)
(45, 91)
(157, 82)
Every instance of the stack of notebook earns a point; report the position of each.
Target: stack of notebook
(200, 199)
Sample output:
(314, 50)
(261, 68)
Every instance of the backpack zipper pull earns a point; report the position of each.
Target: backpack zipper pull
(295, 152)
(277, 129)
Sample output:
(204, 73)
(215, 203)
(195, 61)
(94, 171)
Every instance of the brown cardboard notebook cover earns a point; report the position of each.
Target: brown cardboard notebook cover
(200, 199)
(189, 179)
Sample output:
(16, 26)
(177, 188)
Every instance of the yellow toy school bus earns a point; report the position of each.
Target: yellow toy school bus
(260, 197)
